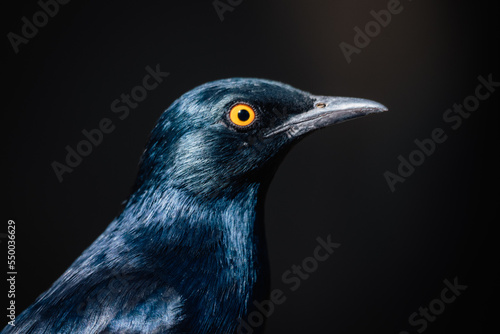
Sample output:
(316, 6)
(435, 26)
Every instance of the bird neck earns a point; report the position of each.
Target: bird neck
(171, 210)
(215, 244)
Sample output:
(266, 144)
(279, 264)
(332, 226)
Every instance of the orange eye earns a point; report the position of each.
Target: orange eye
(242, 115)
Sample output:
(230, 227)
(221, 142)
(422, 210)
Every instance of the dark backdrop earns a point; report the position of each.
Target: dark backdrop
(396, 247)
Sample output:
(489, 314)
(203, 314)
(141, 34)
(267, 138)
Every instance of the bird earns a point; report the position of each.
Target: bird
(188, 254)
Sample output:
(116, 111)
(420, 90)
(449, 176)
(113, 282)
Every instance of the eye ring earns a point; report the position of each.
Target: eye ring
(242, 115)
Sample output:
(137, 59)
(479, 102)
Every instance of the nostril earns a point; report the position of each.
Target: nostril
(320, 105)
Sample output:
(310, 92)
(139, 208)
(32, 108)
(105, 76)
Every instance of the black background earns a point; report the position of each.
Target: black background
(397, 248)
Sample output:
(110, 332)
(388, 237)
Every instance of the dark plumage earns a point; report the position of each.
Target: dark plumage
(188, 254)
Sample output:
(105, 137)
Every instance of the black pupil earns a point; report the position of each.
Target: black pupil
(243, 115)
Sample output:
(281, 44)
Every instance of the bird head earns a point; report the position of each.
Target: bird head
(225, 134)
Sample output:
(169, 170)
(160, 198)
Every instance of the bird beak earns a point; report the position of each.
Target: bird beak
(327, 111)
